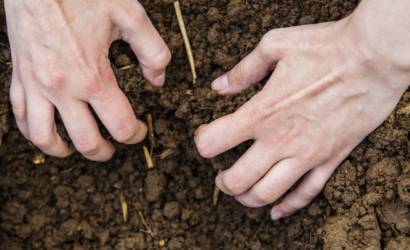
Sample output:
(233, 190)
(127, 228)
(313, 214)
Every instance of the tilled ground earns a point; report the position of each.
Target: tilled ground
(73, 203)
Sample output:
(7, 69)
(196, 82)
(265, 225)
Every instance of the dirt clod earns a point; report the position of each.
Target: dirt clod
(44, 206)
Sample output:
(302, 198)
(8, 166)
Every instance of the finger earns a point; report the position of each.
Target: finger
(222, 135)
(18, 102)
(253, 67)
(310, 186)
(274, 184)
(42, 127)
(117, 115)
(150, 49)
(245, 124)
(84, 132)
(248, 170)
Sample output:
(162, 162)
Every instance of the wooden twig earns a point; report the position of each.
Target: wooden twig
(166, 153)
(150, 133)
(127, 67)
(124, 207)
(145, 224)
(39, 158)
(148, 157)
(68, 170)
(381, 210)
(259, 228)
(186, 40)
(64, 172)
(31, 145)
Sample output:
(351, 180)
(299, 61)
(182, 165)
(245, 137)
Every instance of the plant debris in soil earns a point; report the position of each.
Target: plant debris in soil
(77, 204)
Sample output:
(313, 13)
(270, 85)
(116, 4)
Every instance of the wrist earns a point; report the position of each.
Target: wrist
(382, 29)
(378, 33)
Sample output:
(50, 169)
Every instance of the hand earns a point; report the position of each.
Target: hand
(60, 60)
(333, 84)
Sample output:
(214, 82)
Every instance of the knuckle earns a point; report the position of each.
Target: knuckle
(40, 139)
(204, 144)
(161, 60)
(88, 146)
(138, 14)
(265, 43)
(272, 42)
(319, 155)
(125, 134)
(236, 76)
(265, 196)
(19, 109)
(232, 184)
(56, 82)
(90, 81)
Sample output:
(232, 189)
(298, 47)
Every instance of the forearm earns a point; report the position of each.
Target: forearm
(383, 28)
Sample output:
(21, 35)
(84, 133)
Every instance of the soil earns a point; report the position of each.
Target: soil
(50, 203)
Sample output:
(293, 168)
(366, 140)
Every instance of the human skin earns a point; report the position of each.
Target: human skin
(60, 60)
(333, 84)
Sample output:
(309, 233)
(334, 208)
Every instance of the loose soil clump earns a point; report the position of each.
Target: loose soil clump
(50, 203)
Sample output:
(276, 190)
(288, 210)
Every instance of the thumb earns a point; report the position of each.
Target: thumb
(145, 41)
(254, 67)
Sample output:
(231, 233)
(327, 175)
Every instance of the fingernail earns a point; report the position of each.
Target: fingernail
(276, 215)
(221, 83)
(159, 80)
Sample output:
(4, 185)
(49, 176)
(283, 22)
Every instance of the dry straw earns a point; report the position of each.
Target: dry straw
(186, 40)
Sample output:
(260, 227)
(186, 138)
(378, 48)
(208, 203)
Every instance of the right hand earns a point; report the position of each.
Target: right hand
(333, 84)
(60, 60)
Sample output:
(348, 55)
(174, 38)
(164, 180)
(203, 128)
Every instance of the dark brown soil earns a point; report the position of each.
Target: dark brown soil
(75, 204)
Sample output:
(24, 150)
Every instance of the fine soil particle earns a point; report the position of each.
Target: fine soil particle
(72, 203)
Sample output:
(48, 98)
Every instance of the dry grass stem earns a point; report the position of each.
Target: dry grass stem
(166, 153)
(124, 207)
(259, 228)
(148, 157)
(216, 193)
(146, 226)
(127, 67)
(39, 158)
(391, 226)
(186, 40)
(150, 133)
(31, 144)
(68, 170)
(63, 172)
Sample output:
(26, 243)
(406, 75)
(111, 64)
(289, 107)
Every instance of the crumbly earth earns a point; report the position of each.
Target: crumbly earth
(50, 203)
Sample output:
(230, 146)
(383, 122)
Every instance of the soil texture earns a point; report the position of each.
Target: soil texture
(75, 204)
